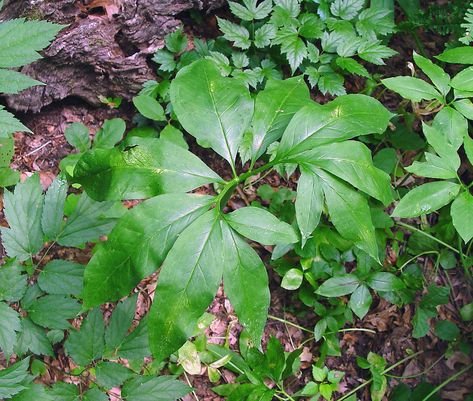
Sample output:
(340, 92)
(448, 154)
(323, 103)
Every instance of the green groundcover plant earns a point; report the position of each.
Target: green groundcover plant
(321, 39)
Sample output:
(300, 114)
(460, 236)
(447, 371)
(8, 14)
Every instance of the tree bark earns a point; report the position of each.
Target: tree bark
(103, 50)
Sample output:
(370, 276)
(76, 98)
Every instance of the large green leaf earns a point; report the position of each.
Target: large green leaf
(343, 118)
(214, 109)
(443, 147)
(426, 198)
(349, 213)
(187, 284)
(309, 202)
(351, 161)
(274, 108)
(135, 346)
(457, 55)
(261, 226)
(12, 378)
(360, 301)
(149, 168)
(462, 212)
(138, 245)
(87, 344)
(111, 374)
(152, 388)
(35, 392)
(246, 283)
(23, 213)
(20, 40)
(411, 88)
(8, 331)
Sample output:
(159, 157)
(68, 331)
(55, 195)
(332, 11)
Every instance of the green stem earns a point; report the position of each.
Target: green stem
(409, 227)
(444, 383)
(278, 319)
(362, 385)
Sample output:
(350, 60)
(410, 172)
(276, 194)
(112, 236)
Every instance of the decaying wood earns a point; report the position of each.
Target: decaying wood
(103, 51)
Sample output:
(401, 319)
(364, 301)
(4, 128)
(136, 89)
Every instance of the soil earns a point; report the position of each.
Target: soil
(41, 152)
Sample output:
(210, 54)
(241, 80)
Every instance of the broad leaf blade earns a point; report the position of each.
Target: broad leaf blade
(309, 203)
(187, 284)
(350, 213)
(246, 283)
(214, 109)
(8, 331)
(138, 245)
(87, 344)
(150, 168)
(274, 108)
(343, 118)
(426, 198)
(260, 225)
(462, 212)
(351, 161)
(62, 277)
(52, 218)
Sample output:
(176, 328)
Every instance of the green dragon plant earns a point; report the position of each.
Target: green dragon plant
(189, 234)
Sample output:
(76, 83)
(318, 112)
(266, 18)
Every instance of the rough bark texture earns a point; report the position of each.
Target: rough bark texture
(103, 51)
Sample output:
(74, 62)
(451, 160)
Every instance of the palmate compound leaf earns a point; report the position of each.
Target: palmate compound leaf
(207, 250)
(274, 108)
(149, 168)
(213, 109)
(138, 244)
(343, 118)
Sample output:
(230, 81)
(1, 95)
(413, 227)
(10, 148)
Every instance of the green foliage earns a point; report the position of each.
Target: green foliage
(200, 247)
(447, 133)
(321, 45)
(20, 42)
(256, 371)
